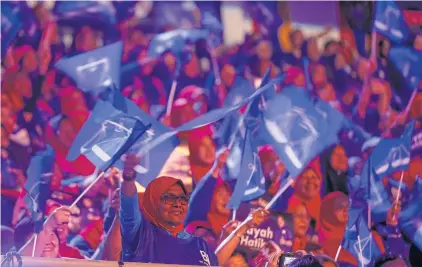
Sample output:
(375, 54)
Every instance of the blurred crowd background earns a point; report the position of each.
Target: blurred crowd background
(322, 46)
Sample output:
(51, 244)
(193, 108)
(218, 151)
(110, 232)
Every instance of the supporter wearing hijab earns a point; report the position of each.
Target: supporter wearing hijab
(201, 152)
(307, 190)
(335, 169)
(155, 234)
(195, 95)
(301, 223)
(323, 88)
(332, 224)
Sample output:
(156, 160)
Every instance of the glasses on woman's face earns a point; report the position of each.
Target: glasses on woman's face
(170, 199)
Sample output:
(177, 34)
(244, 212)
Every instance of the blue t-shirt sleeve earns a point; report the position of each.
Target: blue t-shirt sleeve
(130, 219)
(201, 199)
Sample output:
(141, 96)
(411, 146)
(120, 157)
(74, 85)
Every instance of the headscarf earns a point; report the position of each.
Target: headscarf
(217, 220)
(331, 231)
(192, 93)
(296, 199)
(195, 140)
(151, 202)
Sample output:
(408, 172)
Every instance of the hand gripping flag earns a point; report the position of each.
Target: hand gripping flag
(37, 185)
(389, 156)
(390, 22)
(96, 70)
(106, 135)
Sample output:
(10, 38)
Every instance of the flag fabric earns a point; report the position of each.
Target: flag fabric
(37, 186)
(10, 27)
(358, 239)
(410, 218)
(96, 70)
(388, 156)
(97, 14)
(390, 22)
(174, 41)
(250, 183)
(409, 62)
(300, 128)
(153, 157)
(240, 90)
(105, 136)
(176, 14)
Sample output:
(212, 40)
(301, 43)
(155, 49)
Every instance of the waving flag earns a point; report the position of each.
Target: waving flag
(298, 128)
(410, 219)
(176, 14)
(105, 136)
(174, 41)
(358, 238)
(409, 62)
(98, 14)
(37, 185)
(10, 27)
(389, 156)
(96, 70)
(241, 89)
(153, 157)
(389, 21)
(250, 183)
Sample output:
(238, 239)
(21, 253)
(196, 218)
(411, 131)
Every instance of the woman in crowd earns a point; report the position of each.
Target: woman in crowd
(301, 224)
(335, 168)
(332, 225)
(307, 190)
(160, 224)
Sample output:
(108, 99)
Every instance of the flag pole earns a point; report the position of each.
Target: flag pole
(214, 62)
(171, 96)
(360, 252)
(337, 253)
(234, 215)
(249, 218)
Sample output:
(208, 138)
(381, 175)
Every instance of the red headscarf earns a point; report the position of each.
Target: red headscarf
(313, 205)
(195, 140)
(330, 230)
(217, 220)
(192, 94)
(151, 202)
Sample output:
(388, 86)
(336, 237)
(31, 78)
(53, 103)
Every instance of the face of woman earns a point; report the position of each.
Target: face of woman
(86, 39)
(192, 67)
(221, 198)
(228, 74)
(268, 164)
(66, 132)
(264, 50)
(319, 75)
(207, 151)
(341, 211)
(174, 205)
(280, 221)
(310, 184)
(339, 160)
(300, 80)
(297, 39)
(51, 249)
(30, 61)
(312, 49)
(301, 221)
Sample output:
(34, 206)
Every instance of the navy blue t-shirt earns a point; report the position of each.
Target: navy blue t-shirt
(148, 243)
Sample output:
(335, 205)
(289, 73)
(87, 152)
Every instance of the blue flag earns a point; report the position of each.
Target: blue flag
(153, 158)
(299, 128)
(77, 13)
(175, 14)
(358, 238)
(390, 22)
(37, 185)
(389, 156)
(10, 27)
(174, 41)
(410, 219)
(409, 62)
(96, 70)
(105, 136)
(250, 183)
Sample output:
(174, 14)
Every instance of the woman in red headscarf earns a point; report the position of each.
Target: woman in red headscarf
(307, 190)
(332, 224)
(201, 152)
(155, 234)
